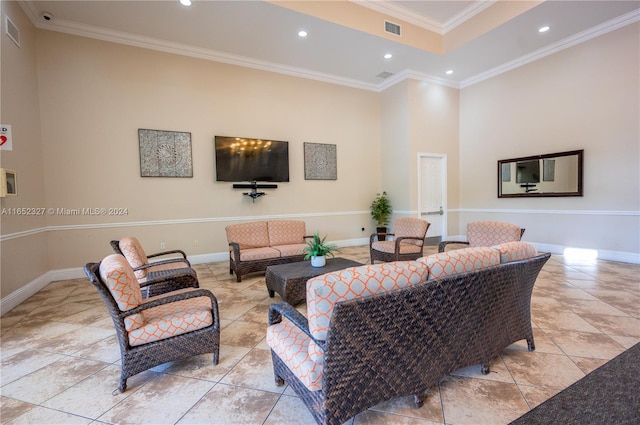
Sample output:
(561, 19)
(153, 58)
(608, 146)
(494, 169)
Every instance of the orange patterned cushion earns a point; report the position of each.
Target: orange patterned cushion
(514, 251)
(409, 226)
(390, 247)
(460, 261)
(167, 320)
(286, 232)
(135, 255)
(257, 254)
(490, 233)
(292, 346)
(324, 291)
(290, 250)
(118, 275)
(248, 235)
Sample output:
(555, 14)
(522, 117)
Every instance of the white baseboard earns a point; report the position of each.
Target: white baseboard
(17, 297)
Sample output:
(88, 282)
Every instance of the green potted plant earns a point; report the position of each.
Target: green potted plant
(317, 250)
(381, 211)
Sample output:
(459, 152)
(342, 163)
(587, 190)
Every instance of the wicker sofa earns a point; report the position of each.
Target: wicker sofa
(256, 245)
(402, 326)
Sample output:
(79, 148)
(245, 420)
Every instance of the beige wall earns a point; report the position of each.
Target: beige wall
(96, 95)
(23, 258)
(585, 97)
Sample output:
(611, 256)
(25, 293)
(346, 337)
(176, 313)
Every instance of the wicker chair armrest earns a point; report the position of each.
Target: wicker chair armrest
(116, 247)
(373, 236)
(282, 309)
(161, 262)
(442, 245)
(172, 297)
(173, 251)
(235, 247)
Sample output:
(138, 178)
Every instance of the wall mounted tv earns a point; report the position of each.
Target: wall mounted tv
(241, 159)
(528, 171)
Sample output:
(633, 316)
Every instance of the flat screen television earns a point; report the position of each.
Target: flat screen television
(244, 160)
(528, 171)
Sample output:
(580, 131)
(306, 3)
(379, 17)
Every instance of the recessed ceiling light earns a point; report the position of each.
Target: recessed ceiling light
(449, 72)
(185, 2)
(544, 28)
(303, 33)
(388, 56)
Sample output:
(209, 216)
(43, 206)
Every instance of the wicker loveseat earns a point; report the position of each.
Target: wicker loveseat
(402, 326)
(256, 245)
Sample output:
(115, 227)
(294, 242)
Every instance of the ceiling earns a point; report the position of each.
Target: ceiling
(263, 34)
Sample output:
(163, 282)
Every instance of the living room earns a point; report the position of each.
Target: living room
(76, 103)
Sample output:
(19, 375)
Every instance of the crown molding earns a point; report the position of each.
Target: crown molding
(98, 33)
(398, 12)
(581, 37)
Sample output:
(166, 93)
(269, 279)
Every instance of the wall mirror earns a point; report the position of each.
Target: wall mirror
(554, 174)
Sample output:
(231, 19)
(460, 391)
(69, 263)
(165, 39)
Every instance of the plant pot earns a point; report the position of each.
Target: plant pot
(318, 261)
(381, 233)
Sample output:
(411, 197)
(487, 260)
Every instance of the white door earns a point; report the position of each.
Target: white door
(432, 194)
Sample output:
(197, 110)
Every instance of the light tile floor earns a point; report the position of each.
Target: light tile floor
(60, 359)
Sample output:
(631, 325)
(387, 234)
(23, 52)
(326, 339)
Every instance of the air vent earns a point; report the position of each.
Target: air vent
(384, 74)
(12, 31)
(392, 28)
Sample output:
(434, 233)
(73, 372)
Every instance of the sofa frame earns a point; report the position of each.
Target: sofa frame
(403, 342)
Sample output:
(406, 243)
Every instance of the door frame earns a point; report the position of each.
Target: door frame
(443, 179)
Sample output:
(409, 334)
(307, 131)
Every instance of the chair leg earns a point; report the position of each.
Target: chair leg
(418, 399)
(531, 346)
(484, 368)
(216, 356)
(279, 380)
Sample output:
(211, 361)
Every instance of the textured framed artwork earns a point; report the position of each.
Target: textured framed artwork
(165, 153)
(320, 161)
(506, 172)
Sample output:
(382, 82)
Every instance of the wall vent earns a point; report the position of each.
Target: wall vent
(384, 74)
(392, 28)
(11, 30)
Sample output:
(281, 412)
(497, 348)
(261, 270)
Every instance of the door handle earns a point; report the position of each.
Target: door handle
(439, 212)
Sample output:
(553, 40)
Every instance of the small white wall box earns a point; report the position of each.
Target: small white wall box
(8, 182)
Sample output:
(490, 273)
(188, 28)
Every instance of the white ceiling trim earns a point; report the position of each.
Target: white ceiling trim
(415, 75)
(467, 14)
(408, 16)
(581, 37)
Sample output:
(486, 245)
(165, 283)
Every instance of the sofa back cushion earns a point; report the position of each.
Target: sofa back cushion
(134, 254)
(460, 261)
(248, 235)
(409, 226)
(118, 275)
(514, 251)
(490, 233)
(286, 232)
(324, 291)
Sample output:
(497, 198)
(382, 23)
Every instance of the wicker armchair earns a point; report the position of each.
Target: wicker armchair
(408, 241)
(157, 330)
(158, 276)
(487, 233)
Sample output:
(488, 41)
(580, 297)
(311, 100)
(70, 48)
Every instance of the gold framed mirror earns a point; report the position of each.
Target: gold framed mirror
(549, 175)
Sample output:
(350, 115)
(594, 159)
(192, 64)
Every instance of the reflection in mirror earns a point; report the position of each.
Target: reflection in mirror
(556, 174)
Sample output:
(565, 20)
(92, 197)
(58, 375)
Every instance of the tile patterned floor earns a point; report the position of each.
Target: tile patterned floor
(60, 359)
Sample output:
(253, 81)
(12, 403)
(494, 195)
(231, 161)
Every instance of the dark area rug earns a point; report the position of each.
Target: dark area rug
(608, 395)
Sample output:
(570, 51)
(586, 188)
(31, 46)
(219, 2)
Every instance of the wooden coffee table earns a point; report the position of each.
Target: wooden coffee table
(290, 280)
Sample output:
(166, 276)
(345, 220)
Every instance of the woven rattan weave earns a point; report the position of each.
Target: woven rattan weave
(402, 343)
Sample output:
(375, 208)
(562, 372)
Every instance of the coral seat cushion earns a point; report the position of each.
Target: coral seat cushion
(286, 232)
(390, 247)
(172, 319)
(248, 235)
(135, 254)
(490, 233)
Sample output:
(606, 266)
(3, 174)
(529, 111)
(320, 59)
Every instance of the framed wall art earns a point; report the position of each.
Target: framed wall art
(165, 153)
(320, 161)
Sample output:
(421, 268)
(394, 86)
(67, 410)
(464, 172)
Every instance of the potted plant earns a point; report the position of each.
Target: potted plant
(381, 212)
(317, 249)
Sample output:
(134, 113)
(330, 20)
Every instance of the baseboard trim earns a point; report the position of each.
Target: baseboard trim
(19, 296)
